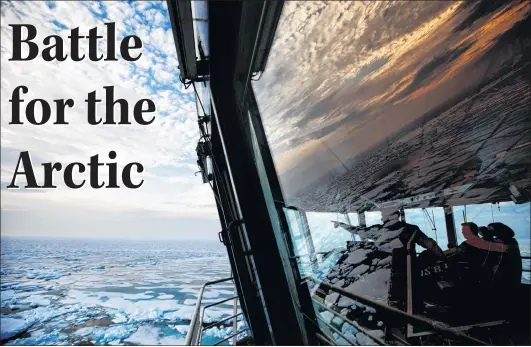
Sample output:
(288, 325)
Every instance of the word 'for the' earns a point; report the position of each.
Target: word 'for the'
(92, 100)
(26, 47)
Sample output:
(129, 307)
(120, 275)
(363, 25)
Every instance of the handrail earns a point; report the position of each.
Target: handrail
(222, 321)
(201, 329)
(218, 303)
(192, 332)
(409, 318)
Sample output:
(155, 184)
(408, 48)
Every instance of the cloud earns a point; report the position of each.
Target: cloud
(322, 47)
(424, 75)
(344, 76)
(168, 143)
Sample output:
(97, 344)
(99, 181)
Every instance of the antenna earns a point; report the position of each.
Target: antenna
(335, 156)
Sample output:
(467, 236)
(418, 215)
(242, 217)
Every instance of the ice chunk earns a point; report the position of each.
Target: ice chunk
(358, 270)
(189, 302)
(182, 329)
(219, 332)
(145, 335)
(140, 296)
(117, 332)
(372, 285)
(86, 331)
(357, 256)
(331, 299)
(345, 302)
(54, 338)
(37, 300)
(10, 327)
(337, 321)
(120, 318)
(385, 261)
(165, 296)
(7, 296)
(377, 333)
(347, 328)
(387, 236)
(171, 341)
(365, 340)
(327, 316)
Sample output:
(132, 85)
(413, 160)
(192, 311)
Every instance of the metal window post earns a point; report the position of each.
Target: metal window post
(450, 226)
(227, 35)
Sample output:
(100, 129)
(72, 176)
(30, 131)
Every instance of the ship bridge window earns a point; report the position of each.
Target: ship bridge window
(431, 222)
(200, 20)
(373, 218)
(326, 235)
(430, 111)
(516, 216)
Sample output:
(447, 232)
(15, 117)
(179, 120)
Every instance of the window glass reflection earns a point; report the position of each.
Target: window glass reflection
(326, 235)
(381, 106)
(200, 20)
(431, 222)
(516, 216)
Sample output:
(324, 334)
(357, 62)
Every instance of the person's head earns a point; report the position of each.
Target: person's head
(501, 231)
(473, 227)
(486, 234)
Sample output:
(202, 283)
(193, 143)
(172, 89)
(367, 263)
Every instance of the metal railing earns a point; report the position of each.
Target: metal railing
(196, 329)
(417, 320)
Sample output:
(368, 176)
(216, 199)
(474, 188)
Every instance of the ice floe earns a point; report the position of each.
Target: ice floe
(13, 326)
(165, 296)
(94, 292)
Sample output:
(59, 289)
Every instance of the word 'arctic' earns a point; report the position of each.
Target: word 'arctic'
(54, 45)
(94, 164)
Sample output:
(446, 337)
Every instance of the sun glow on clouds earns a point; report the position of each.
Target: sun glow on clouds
(166, 148)
(345, 75)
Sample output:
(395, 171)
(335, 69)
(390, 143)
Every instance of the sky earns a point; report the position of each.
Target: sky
(344, 74)
(172, 203)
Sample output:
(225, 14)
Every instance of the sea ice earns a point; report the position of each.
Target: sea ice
(37, 300)
(357, 256)
(374, 285)
(7, 296)
(117, 332)
(171, 341)
(54, 338)
(165, 296)
(327, 316)
(140, 296)
(182, 329)
(85, 290)
(145, 335)
(120, 318)
(10, 327)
